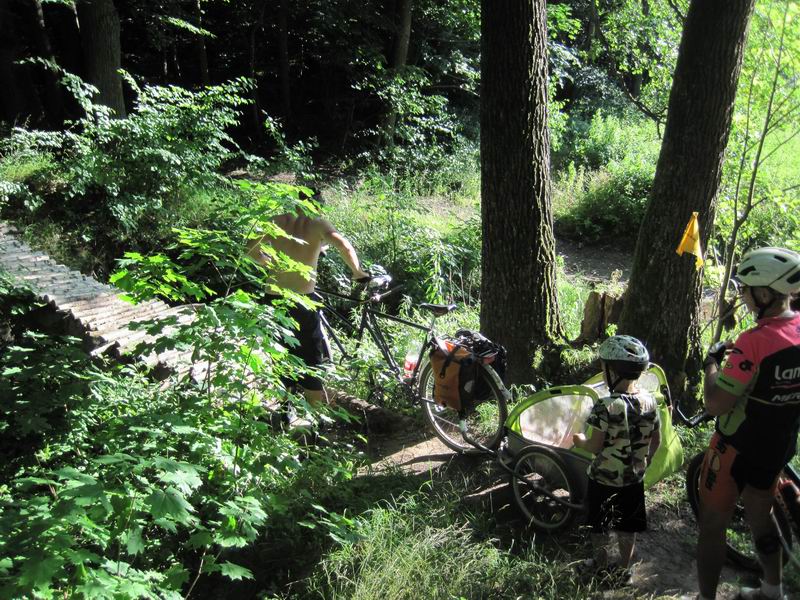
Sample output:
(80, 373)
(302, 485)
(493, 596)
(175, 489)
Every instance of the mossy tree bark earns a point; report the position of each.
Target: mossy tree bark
(519, 307)
(663, 297)
(102, 53)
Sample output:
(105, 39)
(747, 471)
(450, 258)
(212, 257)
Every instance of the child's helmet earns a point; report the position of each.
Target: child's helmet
(625, 354)
(775, 268)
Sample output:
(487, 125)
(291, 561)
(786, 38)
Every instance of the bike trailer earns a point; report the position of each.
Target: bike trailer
(550, 480)
(549, 418)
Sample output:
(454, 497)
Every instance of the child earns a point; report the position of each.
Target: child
(624, 438)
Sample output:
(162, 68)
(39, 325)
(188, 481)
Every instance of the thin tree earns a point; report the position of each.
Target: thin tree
(399, 60)
(781, 120)
(663, 298)
(52, 97)
(102, 53)
(519, 307)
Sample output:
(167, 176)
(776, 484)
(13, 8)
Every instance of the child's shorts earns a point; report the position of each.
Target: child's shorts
(616, 508)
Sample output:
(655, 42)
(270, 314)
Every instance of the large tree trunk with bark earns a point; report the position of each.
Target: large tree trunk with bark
(519, 308)
(102, 53)
(19, 99)
(663, 298)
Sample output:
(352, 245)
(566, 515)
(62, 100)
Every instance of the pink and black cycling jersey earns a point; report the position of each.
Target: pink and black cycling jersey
(763, 370)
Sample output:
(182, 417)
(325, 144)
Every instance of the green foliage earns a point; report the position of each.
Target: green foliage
(611, 208)
(432, 259)
(124, 181)
(760, 183)
(607, 139)
(133, 489)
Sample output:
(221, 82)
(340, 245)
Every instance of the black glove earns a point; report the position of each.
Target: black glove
(716, 354)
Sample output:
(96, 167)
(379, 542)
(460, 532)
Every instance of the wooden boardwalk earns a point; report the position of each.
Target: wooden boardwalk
(91, 310)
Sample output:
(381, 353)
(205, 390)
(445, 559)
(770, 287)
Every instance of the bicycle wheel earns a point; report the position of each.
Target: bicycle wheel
(542, 467)
(739, 543)
(484, 417)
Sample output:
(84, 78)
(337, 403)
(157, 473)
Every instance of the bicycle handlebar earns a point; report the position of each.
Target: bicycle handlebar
(379, 297)
(694, 421)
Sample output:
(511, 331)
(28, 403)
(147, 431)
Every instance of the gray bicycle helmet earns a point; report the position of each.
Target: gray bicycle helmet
(626, 356)
(625, 348)
(775, 268)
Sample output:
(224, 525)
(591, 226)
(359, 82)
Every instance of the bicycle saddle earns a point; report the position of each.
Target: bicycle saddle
(438, 309)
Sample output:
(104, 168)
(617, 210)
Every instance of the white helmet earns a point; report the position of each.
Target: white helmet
(776, 268)
(625, 349)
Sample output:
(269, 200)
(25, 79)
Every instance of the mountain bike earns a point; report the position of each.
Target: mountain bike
(479, 422)
(740, 549)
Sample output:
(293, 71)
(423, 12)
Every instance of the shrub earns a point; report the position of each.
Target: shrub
(134, 489)
(432, 260)
(611, 209)
(114, 184)
(605, 139)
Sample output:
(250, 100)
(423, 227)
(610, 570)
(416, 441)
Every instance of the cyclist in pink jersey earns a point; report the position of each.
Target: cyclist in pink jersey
(755, 395)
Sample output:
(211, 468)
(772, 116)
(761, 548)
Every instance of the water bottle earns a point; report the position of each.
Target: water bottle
(410, 362)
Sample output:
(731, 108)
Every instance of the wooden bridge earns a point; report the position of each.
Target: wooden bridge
(87, 309)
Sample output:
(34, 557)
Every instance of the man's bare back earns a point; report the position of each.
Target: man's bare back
(307, 236)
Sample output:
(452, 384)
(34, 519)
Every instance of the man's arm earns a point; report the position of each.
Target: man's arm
(345, 249)
(717, 400)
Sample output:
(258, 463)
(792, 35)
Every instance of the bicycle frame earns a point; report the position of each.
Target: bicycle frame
(369, 322)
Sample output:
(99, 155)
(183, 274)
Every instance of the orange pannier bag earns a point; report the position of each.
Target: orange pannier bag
(454, 369)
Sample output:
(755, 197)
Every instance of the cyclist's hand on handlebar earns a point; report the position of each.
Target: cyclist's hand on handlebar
(374, 282)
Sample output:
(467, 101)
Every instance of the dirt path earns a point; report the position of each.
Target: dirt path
(594, 264)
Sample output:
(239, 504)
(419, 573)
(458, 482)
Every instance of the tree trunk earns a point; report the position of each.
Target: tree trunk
(592, 25)
(200, 46)
(65, 36)
(403, 39)
(519, 307)
(19, 99)
(663, 298)
(255, 108)
(283, 59)
(53, 105)
(398, 63)
(102, 53)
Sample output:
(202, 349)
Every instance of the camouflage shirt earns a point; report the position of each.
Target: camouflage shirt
(628, 421)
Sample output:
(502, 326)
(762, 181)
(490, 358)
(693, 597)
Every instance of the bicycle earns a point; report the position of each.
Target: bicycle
(478, 424)
(785, 509)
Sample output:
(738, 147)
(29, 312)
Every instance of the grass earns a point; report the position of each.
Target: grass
(20, 168)
(423, 545)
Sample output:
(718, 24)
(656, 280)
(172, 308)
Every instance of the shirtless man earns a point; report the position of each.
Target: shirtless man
(307, 236)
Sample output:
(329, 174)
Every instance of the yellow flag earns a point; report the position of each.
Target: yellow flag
(690, 242)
